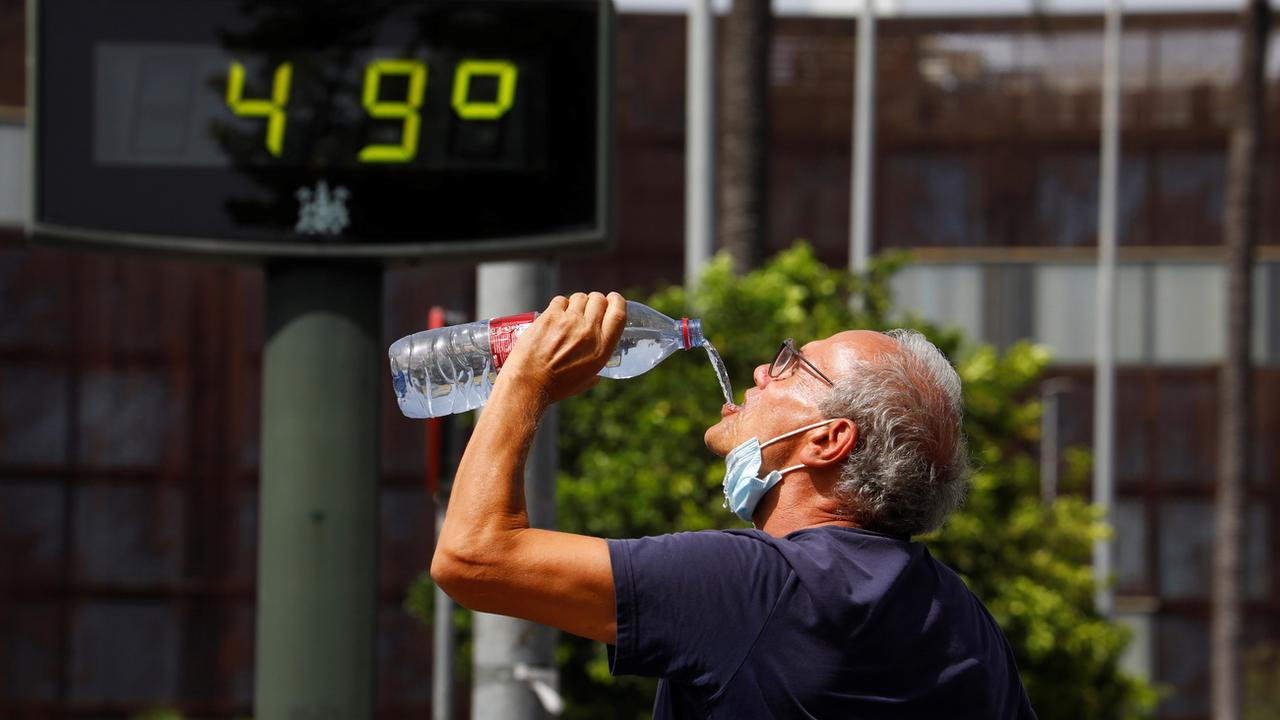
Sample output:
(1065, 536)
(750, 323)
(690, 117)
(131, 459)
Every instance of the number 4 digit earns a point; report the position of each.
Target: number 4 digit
(272, 110)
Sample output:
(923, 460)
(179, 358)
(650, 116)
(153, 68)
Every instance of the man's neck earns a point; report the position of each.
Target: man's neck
(783, 526)
(795, 504)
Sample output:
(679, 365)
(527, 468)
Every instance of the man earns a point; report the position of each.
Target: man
(841, 451)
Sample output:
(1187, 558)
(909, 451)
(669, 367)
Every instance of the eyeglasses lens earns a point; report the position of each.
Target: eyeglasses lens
(785, 358)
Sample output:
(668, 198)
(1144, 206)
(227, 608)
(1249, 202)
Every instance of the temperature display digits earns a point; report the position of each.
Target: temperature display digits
(311, 108)
(407, 109)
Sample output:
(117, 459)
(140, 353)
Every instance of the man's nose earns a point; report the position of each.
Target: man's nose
(761, 375)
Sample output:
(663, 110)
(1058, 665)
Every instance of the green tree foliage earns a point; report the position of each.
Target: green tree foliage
(633, 463)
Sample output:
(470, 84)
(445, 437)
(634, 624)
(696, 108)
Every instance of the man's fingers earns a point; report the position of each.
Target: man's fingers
(558, 302)
(577, 303)
(596, 304)
(615, 319)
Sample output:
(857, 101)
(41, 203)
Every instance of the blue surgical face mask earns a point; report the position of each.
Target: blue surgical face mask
(743, 486)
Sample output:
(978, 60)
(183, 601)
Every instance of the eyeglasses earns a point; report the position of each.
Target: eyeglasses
(785, 361)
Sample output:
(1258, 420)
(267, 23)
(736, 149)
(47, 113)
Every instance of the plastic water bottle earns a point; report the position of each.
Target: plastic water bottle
(451, 370)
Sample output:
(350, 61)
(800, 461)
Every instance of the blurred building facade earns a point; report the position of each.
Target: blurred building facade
(129, 387)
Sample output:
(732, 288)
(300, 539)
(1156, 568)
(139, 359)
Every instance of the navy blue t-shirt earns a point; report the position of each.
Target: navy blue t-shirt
(828, 622)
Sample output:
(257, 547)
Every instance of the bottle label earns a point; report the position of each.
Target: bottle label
(503, 332)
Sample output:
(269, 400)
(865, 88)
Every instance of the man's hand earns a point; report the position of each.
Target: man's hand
(562, 353)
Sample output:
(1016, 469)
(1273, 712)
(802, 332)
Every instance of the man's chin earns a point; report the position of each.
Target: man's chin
(717, 437)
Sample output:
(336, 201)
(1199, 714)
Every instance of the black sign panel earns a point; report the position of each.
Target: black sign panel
(391, 129)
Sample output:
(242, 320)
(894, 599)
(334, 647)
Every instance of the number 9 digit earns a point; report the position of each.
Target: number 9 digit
(416, 71)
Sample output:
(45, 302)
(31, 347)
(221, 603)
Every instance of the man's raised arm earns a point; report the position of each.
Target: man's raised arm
(488, 558)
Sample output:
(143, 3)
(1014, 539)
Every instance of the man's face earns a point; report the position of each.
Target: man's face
(773, 406)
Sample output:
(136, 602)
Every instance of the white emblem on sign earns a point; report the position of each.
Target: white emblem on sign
(322, 211)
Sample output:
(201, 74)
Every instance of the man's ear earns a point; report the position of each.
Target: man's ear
(832, 445)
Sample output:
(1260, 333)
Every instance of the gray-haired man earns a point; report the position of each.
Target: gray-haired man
(841, 451)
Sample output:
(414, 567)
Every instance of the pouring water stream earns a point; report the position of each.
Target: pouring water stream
(722, 374)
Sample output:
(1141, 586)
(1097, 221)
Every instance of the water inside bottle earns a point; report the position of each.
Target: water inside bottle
(639, 350)
(442, 371)
(722, 374)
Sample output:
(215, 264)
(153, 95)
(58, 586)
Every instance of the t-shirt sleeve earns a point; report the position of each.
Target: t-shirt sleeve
(690, 605)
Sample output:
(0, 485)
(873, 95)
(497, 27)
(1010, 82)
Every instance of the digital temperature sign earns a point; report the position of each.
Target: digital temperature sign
(278, 128)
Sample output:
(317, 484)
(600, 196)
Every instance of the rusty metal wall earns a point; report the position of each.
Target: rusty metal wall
(1166, 433)
(129, 406)
(128, 501)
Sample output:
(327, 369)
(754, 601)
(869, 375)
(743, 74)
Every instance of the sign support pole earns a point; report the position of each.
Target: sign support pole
(322, 379)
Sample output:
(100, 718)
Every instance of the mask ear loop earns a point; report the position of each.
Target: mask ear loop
(797, 431)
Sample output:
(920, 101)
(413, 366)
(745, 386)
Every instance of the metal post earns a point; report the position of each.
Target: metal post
(1104, 376)
(444, 644)
(322, 382)
(515, 669)
(1048, 447)
(700, 142)
(863, 139)
(443, 640)
(1050, 392)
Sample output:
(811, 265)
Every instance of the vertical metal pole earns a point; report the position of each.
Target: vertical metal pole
(323, 377)
(863, 139)
(1104, 377)
(1048, 447)
(700, 142)
(443, 640)
(1050, 392)
(506, 647)
(445, 643)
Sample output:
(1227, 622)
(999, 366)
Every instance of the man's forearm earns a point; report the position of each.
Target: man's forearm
(487, 504)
